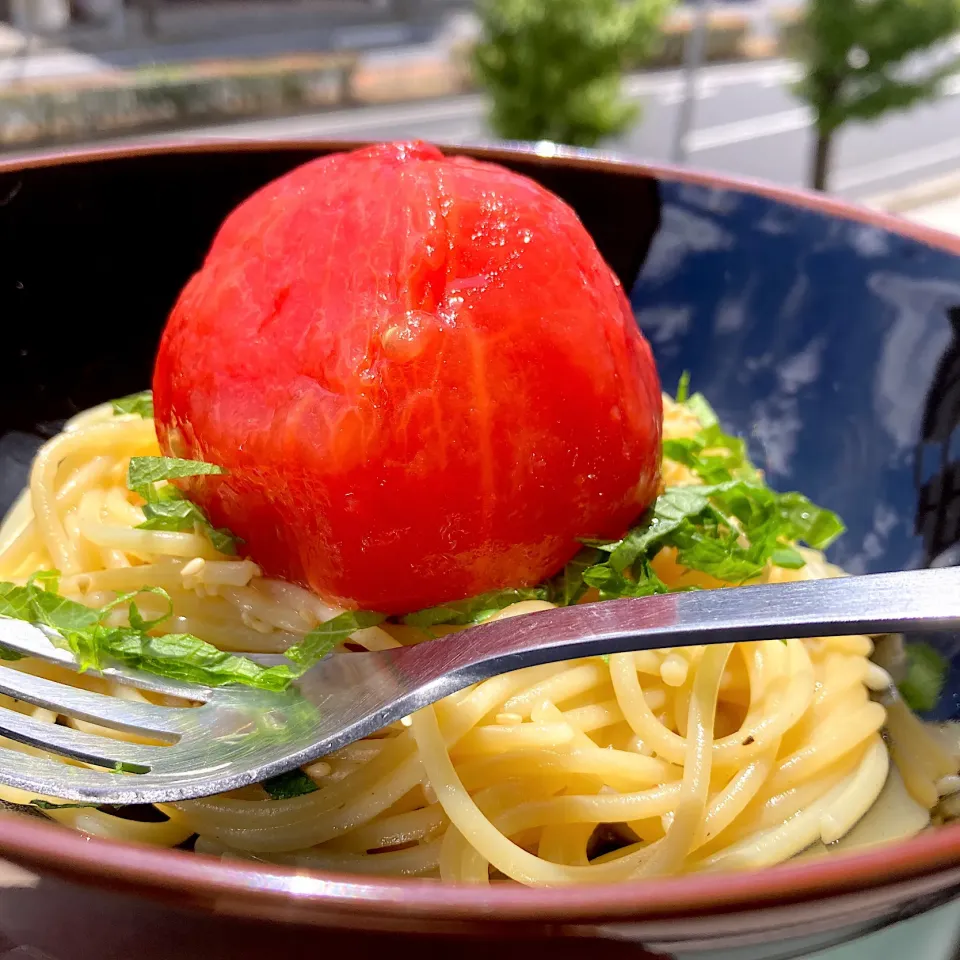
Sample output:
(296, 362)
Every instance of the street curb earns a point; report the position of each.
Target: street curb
(917, 195)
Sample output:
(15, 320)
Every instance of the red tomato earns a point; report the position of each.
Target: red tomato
(423, 379)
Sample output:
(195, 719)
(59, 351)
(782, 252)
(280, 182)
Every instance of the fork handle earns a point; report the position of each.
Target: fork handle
(918, 600)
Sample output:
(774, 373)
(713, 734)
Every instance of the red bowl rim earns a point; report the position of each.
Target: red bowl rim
(48, 847)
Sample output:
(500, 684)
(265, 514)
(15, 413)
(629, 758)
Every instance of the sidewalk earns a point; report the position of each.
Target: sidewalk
(934, 203)
(944, 215)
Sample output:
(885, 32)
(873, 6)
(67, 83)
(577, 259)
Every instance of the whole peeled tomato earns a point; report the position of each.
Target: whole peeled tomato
(422, 378)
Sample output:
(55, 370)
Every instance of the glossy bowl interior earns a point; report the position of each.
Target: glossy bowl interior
(826, 335)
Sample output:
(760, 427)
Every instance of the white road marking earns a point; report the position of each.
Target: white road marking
(349, 121)
(671, 96)
(771, 124)
(732, 75)
(789, 73)
(895, 165)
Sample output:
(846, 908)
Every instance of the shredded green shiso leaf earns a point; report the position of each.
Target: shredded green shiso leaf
(285, 786)
(166, 508)
(138, 404)
(925, 678)
(85, 631)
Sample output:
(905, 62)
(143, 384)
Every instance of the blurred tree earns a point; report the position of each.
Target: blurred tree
(553, 68)
(863, 58)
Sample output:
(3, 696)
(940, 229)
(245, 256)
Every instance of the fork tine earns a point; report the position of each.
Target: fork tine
(128, 715)
(31, 641)
(77, 744)
(51, 777)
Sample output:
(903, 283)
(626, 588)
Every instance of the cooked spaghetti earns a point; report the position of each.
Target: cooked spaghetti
(590, 771)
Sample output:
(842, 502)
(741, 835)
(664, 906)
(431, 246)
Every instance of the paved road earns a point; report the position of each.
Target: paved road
(746, 123)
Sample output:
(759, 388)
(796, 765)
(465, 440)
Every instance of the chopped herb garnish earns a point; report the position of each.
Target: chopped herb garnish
(718, 459)
(788, 558)
(48, 579)
(474, 609)
(47, 805)
(569, 586)
(746, 524)
(285, 786)
(166, 508)
(701, 409)
(140, 404)
(323, 638)
(122, 766)
(683, 387)
(730, 526)
(146, 470)
(178, 656)
(612, 583)
(807, 522)
(731, 531)
(31, 602)
(927, 671)
(714, 456)
(177, 513)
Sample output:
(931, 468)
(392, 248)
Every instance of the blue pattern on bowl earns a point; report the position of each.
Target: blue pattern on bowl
(829, 345)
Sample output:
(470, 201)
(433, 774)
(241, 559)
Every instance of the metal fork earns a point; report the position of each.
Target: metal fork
(239, 735)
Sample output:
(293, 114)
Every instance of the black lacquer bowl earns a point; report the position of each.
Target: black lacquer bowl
(826, 334)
